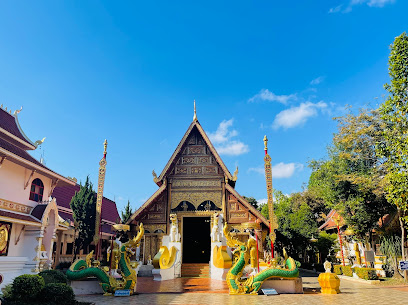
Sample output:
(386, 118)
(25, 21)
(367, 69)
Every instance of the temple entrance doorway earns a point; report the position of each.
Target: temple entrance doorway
(196, 240)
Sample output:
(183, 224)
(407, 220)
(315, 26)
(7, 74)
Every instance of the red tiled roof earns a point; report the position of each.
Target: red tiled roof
(18, 216)
(64, 194)
(21, 153)
(330, 223)
(8, 123)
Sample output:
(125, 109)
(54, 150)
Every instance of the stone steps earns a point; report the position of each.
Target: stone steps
(195, 270)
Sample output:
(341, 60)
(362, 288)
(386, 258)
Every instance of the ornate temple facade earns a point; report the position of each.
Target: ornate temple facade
(194, 188)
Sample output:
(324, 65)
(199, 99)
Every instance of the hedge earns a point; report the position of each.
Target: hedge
(366, 273)
(53, 276)
(27, 287)
(58, 293)
(337, 269)
(347, 270)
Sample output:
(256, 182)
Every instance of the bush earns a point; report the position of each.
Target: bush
(6, 291)
(53, 276)
(337, 269)
(27, 288)
(366, 273)
(58, 293)
(347, 270)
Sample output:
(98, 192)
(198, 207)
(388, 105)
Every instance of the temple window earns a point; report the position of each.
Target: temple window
(36, 190)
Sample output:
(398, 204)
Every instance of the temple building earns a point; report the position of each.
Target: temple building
(36, 222)
(194, 188)
(29, 217)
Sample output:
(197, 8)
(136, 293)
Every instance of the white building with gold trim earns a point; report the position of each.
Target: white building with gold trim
(29, 216)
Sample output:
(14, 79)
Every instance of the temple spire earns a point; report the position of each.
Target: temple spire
(195, 113)
(105, 146)
(265, 139)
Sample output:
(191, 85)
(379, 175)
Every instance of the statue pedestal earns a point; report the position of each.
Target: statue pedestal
(282, 285)
(163, 274)
(86, 286)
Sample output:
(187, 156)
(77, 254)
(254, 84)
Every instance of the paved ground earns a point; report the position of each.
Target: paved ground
(204, 291)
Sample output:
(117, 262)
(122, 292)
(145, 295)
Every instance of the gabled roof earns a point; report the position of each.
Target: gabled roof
(179, 149)
(330, 222)
(147, 203)
(241, 199)
(10, 127)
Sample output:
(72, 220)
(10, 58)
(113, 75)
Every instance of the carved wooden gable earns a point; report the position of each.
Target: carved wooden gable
(196, 176)
(156, 212)
(237, 212)
(196, 159)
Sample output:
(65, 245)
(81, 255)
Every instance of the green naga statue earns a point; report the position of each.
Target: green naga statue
(82, 269)
(252, 284)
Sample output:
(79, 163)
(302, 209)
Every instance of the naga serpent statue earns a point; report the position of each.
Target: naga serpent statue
(252, 284)
(82, 269)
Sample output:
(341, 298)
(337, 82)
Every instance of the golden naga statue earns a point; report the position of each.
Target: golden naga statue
(242, 253)
(81, 269)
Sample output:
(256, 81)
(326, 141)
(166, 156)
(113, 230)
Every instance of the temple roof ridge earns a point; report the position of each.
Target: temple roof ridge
(178, 150)
(10, 126)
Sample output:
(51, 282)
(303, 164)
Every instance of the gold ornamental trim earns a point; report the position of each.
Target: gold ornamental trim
(196, 198)
(14, 206)
(4, 237)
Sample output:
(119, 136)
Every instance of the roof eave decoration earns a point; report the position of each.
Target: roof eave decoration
(147, 203)
(178, 150)
(247, 204)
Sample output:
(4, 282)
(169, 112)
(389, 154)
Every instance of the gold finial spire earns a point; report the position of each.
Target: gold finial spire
(265, 139)
(105, 146)
(195, 113)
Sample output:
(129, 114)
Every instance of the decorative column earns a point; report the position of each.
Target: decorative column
(101, 182)
(273, 224)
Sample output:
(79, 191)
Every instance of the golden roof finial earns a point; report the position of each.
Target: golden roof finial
(105, 146)
(265, 143)
(195, 113)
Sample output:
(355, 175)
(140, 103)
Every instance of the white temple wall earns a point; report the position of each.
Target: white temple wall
(13, 178)
(16, 250)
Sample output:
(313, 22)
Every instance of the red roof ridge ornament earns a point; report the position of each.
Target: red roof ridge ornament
(195, 112)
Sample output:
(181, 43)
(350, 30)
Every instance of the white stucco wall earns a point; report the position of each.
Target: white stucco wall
(12, 180)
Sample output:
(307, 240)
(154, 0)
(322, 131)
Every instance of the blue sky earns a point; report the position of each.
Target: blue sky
(129, 72)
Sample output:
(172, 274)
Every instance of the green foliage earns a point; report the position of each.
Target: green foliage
(297, 222)
(366, 273)
(53, 276)
(27, 287)
(252, 201)
(83, 206)
(337, 269)
(390, 246)
(325, 245)
(350, 181)
(58, 293)
(394, 148)
(127, 213)
(6, 291)
(347, 270)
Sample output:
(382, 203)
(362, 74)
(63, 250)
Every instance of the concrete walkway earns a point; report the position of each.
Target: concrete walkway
(194, 291)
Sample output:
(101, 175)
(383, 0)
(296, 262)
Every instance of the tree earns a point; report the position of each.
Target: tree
(83, 206)
(394, 148)
(350, 181)
(252, 201)
(127, 213)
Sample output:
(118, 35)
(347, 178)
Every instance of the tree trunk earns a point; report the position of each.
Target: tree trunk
(402, 240)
